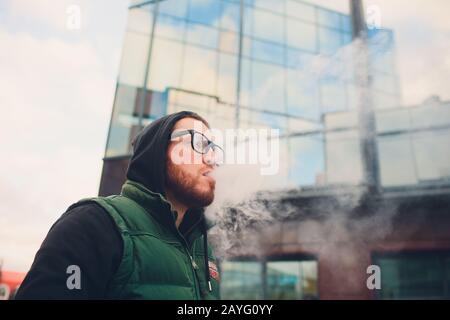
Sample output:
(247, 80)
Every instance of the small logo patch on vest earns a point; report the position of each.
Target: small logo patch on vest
(213, 271)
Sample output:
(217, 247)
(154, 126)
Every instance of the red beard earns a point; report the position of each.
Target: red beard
(185, 188)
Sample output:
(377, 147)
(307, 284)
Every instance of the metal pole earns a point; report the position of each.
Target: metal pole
(238, 82)
(366, 114)
(147, 67)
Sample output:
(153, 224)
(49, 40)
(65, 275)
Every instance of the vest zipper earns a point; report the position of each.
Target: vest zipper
(194, 266)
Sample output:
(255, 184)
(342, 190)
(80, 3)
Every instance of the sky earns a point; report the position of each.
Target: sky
(57, 84)
(57, 88)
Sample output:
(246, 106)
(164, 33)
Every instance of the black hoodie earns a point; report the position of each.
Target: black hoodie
(87, 236)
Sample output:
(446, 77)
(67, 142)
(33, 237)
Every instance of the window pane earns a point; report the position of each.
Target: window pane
(140, 21)
(346, 38)
(268, 26)
(300, 10)
(288, 280)
(134, 59)
(241, 280)
(341, 120)
(396, 161)
(346, 23)
(329, 41)
(163, 74)
(202, 35)
(229, 42)
(205, 12)
(302, 95)
(230, 16)
(301, 35)
(306, 160)
(169, 27)
(226, 89)
(199, 71)
(432, 152)
(392, 120)
(178, 10)
(122, 122)
(329, 18)
(431, 115)
(268, 52)
(332, 96)
(299, 59)
(246, 76)
(412, 276)
(343, 157)
(267, 86)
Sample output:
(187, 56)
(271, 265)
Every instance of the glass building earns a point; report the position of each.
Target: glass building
(329, 85)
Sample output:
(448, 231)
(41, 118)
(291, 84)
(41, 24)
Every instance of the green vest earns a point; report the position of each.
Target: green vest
(158, 262)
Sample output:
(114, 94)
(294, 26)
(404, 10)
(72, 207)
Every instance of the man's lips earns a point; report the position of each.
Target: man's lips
(208, 175)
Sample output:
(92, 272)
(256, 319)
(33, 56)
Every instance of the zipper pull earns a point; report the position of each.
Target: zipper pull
(209, 286)
(194, 265)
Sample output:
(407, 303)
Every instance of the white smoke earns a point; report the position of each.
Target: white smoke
(249, 209)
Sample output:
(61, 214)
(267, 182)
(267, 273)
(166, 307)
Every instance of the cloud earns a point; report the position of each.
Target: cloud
(46, 13)
(56, 102)
(422, 37)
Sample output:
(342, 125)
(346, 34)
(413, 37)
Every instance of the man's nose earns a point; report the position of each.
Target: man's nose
(209, 158)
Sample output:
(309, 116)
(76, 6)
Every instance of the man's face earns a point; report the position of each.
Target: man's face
(190, 182)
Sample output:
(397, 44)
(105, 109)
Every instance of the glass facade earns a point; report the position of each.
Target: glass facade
(289, 65)
(274, 280)
(415, 275)
(189, 56)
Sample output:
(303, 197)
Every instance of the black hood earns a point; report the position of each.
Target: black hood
(148, 162)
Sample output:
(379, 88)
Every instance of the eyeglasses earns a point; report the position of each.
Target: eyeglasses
(201, 144)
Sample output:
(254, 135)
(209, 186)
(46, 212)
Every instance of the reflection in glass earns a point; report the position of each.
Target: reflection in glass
(199, 70)
(329, 41)
(268, 52)
(134, 59)
(343, 157)
(162, 74)
(291, 280)
(307, 160)
(328, 18)
(300, 10)
(268, 26)
(122, 121)
(333, 96)
(282, 280)
(229, 42)
(241, 280)
(169, 27)
(301, 35)
(414, 276)
(180, 10)
(267, 86)
(229, 19)
(205, 12)
(202, 35)
(226, 80)
(140, 21)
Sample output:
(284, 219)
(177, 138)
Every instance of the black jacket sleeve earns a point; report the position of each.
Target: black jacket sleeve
(86, 237)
